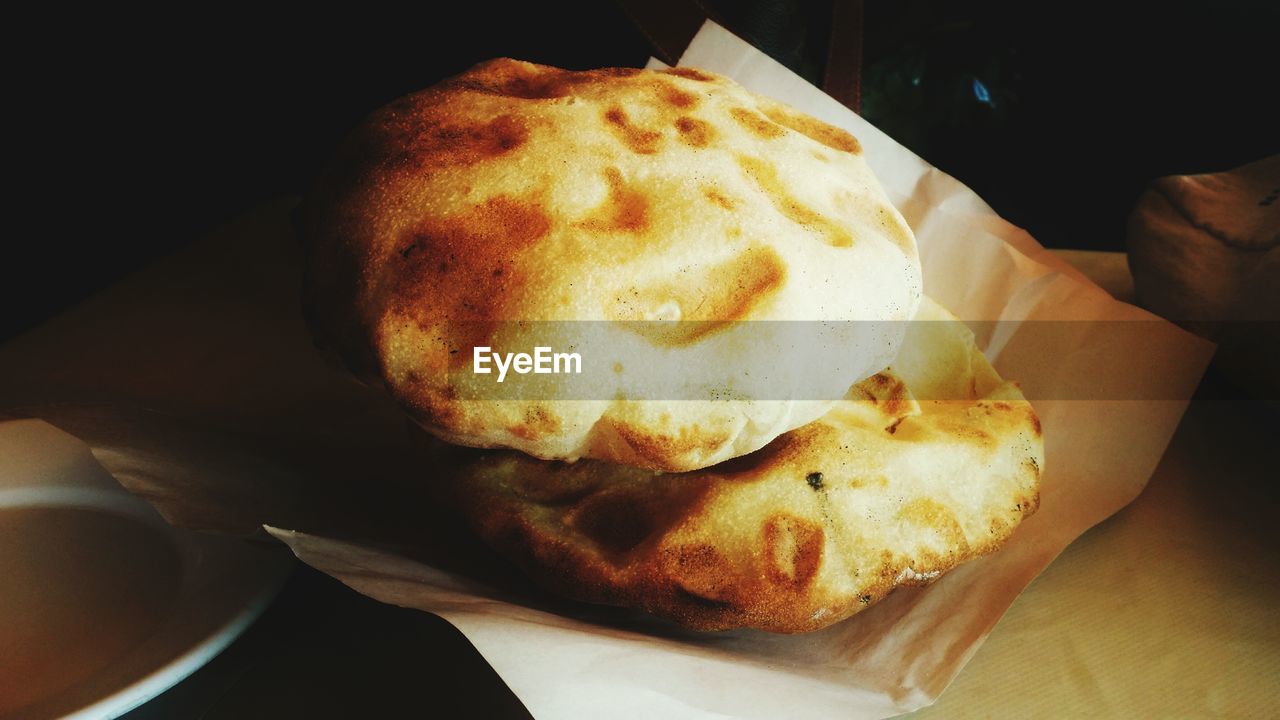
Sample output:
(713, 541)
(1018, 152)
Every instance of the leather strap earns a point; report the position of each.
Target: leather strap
(669, 26)
(843, 78)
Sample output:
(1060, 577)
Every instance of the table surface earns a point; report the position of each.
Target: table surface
(1165, 609)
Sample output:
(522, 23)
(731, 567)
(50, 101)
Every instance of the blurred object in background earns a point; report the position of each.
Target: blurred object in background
(940, 74)
(1060, 115)
(1205, 252)
(136, 141)
(145, 133)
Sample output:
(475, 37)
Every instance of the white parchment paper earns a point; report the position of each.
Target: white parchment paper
(195, 384)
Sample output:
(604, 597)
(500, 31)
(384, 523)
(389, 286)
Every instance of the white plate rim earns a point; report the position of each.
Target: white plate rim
(181, 667)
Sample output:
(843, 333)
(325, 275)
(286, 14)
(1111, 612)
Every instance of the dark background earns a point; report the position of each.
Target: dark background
(131, 132)
(135, 131)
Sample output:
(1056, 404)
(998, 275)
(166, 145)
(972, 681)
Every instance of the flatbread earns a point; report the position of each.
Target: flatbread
(517, 192)
(926, 465)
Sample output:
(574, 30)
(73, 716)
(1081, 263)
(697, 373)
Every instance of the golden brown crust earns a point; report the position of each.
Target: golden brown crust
(884, 490)
(523, 192)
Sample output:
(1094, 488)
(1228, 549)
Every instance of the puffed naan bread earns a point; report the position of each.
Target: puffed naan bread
(518, 192)
(892, 486)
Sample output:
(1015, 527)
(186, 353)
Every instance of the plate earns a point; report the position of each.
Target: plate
(104, 605)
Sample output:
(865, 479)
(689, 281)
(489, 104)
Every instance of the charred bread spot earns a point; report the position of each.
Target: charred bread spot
(756, 124)
(694, 132)
(412, 144)
(719, 198)
(624, 209)
(712, 298)
(765, 177)
(527, 81)
(676, 97)
(702, 572)
(792, 549)
(650, 447)
(829, 135)
(691, 74)
(537, 422)
(615, 521)
(637, 139)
